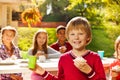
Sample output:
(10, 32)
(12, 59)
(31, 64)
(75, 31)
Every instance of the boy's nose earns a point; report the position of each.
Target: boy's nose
(76, 37)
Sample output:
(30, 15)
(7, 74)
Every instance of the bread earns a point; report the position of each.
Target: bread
(116, 68)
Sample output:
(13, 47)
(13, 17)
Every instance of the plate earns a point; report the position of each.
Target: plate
(7, 63)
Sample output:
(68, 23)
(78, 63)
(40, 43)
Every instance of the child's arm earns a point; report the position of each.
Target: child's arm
(46, 75)
(52, 53)
(39, 70)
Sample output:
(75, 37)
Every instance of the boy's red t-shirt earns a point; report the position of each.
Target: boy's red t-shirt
(67, 70)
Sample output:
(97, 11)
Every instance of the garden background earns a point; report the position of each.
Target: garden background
(104, 17)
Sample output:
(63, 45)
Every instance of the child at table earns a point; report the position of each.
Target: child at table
(79, 63)
(40, 47)
(9, 51)
(115, 66)
(61, 45)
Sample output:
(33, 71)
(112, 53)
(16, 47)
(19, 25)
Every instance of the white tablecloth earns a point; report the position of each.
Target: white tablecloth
(19, 67)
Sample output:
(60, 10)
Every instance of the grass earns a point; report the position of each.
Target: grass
(101, 41)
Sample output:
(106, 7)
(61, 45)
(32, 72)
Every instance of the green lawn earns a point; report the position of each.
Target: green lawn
(101, 41)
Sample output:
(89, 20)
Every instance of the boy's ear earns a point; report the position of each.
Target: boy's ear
(88, 39)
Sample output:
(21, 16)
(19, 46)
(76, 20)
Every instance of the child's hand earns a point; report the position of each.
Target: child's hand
(81, 64)
(38, 69)
(115, 71)
(62, 49)
(116, 68)
(39, 53)
(13, 57)
(114, 74)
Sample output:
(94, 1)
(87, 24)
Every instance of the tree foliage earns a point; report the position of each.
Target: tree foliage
(94, 10)
(112, 11)
(90, 9)
(31, 16)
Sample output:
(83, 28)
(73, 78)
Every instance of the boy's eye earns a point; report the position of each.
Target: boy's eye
(71, 34)
(80, 33)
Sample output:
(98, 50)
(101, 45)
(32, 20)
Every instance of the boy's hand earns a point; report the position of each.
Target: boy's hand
(62, 49)
(38, 69)
(81, 64)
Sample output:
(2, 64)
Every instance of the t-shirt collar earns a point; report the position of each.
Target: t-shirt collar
(73, 56)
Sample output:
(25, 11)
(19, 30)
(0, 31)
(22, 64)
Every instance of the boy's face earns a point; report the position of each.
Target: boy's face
(61, 35)
(78, 39)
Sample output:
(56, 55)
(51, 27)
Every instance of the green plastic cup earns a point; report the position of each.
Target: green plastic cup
(24, 55)
(32, 62)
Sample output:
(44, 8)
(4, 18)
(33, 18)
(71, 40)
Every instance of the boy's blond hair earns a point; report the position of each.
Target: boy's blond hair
(79, 23)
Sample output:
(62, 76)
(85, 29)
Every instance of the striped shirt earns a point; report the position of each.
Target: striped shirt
(4, 55)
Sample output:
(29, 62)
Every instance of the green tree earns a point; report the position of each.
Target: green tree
(112, 11)
(58, 8)
(90, 9)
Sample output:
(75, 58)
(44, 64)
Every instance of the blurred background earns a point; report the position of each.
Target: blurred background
(30, 15)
